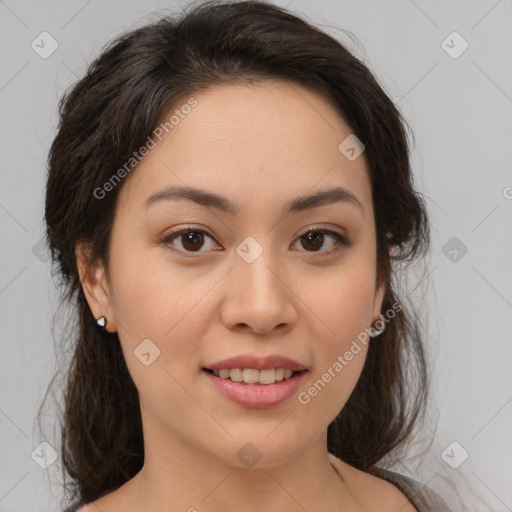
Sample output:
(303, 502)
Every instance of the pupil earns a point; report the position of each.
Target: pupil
(315, 236)
(191, 237)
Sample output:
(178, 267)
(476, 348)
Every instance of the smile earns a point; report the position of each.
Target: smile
(254, 376)
(256, 394)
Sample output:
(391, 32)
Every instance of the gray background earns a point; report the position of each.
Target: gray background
(460, 112)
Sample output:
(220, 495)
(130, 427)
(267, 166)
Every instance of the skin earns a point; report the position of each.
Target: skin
(259, 145)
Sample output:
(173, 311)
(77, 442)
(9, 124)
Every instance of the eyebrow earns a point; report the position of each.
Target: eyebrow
(210, 199)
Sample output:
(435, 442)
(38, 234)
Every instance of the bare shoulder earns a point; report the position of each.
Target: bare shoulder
(372, 492)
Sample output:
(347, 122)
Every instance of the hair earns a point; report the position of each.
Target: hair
(110, 112)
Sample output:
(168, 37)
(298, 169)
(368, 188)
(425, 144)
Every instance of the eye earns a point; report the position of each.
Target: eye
(314, 239)
(191, 239)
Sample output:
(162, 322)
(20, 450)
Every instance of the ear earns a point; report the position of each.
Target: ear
(95, 285)
(377, 301)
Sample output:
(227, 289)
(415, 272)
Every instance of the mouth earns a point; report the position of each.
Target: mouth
(252, 388)
(253, 376)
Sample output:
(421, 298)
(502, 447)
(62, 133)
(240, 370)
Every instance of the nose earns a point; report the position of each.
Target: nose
(258, 296)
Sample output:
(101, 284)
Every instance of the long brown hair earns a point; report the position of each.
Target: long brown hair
(109, 114)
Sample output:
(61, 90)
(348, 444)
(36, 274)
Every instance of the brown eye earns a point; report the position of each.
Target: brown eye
(314, 239)
(192, 240)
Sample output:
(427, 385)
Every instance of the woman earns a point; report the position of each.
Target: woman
(228, 196)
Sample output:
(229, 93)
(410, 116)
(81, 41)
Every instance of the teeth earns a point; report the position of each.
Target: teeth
(252, 376)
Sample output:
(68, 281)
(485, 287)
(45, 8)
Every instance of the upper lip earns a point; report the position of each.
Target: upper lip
(257, 363)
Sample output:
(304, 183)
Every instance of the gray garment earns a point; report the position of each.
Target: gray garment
(420, 495)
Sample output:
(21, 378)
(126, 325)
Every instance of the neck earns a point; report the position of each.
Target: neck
(178, 476)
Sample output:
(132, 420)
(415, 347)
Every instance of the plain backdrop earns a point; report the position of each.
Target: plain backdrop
(458, 102)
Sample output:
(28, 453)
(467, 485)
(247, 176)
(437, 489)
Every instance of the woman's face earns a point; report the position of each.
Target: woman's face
(249, 279)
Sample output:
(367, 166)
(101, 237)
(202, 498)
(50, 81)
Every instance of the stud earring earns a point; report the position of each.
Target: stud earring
(374, 332)
(102, 322)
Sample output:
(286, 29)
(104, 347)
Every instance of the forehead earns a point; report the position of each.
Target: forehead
(266, 141)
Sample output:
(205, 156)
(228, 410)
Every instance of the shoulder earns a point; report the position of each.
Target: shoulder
(421, 495)
(381, 489)
(373, 492)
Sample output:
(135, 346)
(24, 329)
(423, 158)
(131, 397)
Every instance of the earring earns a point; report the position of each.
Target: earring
(102, 322)
(374, 332)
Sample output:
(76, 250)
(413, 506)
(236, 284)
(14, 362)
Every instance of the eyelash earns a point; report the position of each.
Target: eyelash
(341, 241)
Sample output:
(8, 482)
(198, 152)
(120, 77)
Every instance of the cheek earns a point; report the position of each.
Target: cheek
(164, 304)
(159, 335)
(151, 295)
(331, 385)
(339, 360)
(342, 302)
(343, 306)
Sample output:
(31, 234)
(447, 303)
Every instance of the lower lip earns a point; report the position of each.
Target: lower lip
(258, 395)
